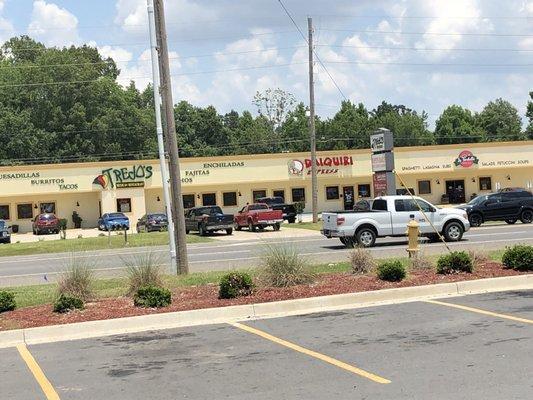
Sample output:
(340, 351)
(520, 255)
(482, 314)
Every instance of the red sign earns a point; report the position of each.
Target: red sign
(466, 159)
(379, 182)
(325, 165)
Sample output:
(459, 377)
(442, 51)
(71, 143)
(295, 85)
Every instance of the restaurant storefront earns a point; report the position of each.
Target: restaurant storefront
(441, 174)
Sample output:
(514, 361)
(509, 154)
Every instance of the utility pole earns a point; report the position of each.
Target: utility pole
(159, 128)
(312, 133)
(178, 214)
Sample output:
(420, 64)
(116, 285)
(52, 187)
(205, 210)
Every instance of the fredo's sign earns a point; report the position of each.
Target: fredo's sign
(134, 176)
(466, 159)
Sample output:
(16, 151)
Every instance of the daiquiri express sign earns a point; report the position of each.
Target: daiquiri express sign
(128, 177)
(325, 165)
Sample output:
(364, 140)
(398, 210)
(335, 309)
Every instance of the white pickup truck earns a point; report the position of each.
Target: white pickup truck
(388, 216)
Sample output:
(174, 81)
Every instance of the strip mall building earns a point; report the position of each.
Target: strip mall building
(441, 174)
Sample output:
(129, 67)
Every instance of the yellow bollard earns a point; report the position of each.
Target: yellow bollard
(413, 232)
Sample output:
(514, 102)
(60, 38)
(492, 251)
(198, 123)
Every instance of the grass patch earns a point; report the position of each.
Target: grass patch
(96, 243)
(314, 226)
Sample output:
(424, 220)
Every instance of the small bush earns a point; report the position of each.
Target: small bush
(65, 303)
(152, 297)
(362, 261)
(478, 258)
(101, 234)
(143, 271)
(7, 301)
(455, 262)
(78, 278)
(235, 284)
(518, 257)
(282, 266)
(421, 262)
(392, 271)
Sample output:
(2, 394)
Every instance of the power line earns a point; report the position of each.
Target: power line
(431, 33)
(316, 54)
(422, 17)
(421, 49)
(426, 64)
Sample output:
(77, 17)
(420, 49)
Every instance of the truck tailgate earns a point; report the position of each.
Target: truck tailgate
(269, 215)
(329, 221)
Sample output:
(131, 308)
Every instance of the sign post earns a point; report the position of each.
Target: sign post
(382, 146)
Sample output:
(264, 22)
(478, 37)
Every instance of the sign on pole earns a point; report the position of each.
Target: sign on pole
(382, 146)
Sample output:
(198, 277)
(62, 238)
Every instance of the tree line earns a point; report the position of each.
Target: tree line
(65, 104)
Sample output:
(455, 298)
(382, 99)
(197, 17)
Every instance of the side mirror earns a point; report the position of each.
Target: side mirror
(432, 209)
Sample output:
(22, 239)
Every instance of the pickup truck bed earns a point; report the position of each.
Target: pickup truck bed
(258, 216)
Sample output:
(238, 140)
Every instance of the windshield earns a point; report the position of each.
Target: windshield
(477, 200)
(116, 216)
(158, 217)
(258, 207)
(2, 225)
(210, 211)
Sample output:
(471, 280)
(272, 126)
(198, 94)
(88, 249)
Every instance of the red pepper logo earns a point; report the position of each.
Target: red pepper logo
(101, 180)
(466, 159)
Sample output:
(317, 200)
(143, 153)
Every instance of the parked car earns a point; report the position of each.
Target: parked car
(152, 222)
(389, 216)
(208, 219)
(508, 205)
(258, 215)
(277, 203)
(5, 236)
(113, 222)
(45, 223)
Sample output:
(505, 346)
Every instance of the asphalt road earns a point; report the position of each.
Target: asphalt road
(227, 255)
(419, 350)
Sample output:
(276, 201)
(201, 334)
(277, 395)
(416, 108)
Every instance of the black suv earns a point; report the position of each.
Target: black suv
(509, 206)
(277, 203)
(5, 236)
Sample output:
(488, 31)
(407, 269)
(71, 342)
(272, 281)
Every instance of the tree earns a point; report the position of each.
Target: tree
(500, 121)
(349, 128)
(274, 105)
(529, 115)
(457, 125)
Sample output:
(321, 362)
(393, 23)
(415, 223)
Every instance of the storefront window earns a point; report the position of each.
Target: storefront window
(404, 191)
(4, 212)
(47, 208)
(485, 183)
(332, 193)
(124, 205)
(298, 195)
(363, 190)
(424, 187)
(229, 199)
(256, 194)
(25, 211)
(279, 193)
(188, 201)
(209, 199)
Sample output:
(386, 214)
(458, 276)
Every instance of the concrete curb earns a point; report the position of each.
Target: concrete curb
(85, 330)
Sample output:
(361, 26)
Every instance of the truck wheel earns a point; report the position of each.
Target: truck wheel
(237, 227)
(201, 230)
(229, 231)
(475, 220)
(348, 242)
(187, 231)
(251, 226)
(511, 221)
(291, 220)
(365, 237)
(453, 232)
(526, 217)
(276, 226)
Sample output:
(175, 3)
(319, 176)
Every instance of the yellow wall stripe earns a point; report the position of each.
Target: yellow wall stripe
(480, 311)
(312, 353)
(38, 373)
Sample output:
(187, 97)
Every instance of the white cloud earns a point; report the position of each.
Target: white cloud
(53, 25)
(6, 27)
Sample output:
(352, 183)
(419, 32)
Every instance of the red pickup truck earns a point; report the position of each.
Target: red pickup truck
(258, 216)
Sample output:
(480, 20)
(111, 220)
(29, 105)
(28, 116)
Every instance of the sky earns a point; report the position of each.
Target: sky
(425, 54)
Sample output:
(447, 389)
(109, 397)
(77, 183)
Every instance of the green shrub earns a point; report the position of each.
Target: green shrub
(144, 271)
(282, 266)
(455, 262)
(78, 278)
(392, 271)
(362, 261)
(235, 284)
(518, 257)
(152, 297)
(66, 303)
(7, 301)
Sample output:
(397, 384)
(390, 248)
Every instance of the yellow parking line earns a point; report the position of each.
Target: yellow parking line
(38, 373)
(312, 353)
(480, 311)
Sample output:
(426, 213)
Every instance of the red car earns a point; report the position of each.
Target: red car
(45, 223)
(258, 216)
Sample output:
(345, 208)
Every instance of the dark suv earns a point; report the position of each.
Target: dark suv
(5, 236)
(277, 203)
(509, 206)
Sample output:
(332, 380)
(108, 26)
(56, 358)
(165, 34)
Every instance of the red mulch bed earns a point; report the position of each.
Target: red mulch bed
(193, 298)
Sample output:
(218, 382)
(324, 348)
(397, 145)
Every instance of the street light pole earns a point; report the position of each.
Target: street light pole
(159, 128)
(182, 264)
(312, 133)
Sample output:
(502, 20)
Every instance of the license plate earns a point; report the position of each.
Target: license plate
(271, 222)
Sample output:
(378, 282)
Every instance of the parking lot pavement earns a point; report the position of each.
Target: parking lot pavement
(425, 350)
